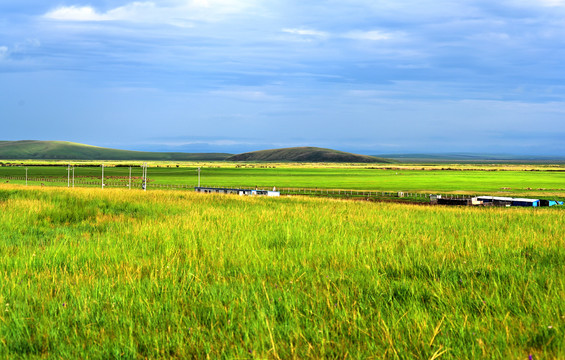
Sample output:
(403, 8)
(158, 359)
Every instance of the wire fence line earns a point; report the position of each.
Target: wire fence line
(69, 181)
(137, 183)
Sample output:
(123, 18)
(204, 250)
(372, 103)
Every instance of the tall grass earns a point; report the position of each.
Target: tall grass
(127, 274)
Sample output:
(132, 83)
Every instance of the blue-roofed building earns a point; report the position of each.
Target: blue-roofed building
(508, 201)
(495, 200)
(550, 202)
(525, 202)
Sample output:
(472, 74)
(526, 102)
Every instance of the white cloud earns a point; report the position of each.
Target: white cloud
(306, 32)
(224, 6)
(3, 52)
(552, 2)
(175, 13)
(249, 95)
(75, 13)
(536, 3)
(490, 36)
(373, 35)
(18, 49)
(373, 94)
(26, 45)
(139, 12)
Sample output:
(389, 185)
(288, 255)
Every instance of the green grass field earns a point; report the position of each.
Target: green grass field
(86, 273)
(483, 180)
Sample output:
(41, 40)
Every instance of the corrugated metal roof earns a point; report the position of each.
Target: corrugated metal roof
(503, 198)
(499, 198)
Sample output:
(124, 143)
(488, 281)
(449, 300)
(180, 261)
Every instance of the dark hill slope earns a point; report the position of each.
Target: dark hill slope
(62, 150)
(305, 154)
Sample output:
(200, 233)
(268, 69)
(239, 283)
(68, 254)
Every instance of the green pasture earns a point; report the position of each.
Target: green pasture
(493, 181)
(86, 273)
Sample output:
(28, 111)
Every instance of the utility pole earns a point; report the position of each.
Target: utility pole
(129, 186)
(144, 177)
(102, 176)
(198, 176)
(26, 176)
(73, 177)
(69, 175)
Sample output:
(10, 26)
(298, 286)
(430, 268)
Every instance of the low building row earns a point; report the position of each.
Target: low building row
(494, 201)
(249, 192)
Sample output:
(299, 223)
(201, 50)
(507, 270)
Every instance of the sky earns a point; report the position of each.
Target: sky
(367, 76)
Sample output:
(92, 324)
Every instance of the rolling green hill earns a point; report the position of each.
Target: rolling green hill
(63, 150)
(305, 154)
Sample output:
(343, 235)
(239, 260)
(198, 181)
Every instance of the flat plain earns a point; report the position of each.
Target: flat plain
(91, 273)
(508, 180)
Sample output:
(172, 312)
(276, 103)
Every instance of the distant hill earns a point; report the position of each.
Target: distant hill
(63, 150)
(305, 154)
(471, 158)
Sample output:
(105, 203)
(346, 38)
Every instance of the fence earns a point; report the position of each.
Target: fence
(336, 193)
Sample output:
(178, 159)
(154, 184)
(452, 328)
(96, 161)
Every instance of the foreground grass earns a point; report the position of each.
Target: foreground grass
(126, 274)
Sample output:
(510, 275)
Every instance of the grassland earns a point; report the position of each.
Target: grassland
(87, 273)
(531, 180)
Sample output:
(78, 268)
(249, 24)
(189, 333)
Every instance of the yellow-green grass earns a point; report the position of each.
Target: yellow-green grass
(86, 273)
(227, 164)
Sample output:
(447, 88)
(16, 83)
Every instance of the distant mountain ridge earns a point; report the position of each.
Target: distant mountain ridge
(64, 150)
(305, 154)
(469, 157)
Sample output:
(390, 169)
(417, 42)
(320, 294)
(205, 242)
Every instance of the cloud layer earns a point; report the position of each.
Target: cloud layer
(172, 13)
(361, 75)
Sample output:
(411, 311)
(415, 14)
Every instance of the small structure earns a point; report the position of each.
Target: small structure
(508, 201)
(525, 202)
(456, 201)
(495, 200)
(249, 192)
(453, 201)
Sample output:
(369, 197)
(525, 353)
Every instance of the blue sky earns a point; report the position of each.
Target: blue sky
(367, 76)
